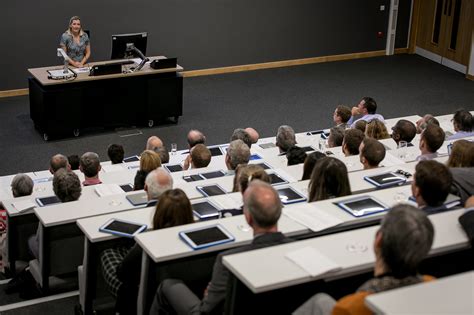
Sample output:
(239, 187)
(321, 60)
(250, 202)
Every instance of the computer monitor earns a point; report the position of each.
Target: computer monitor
(120, 41)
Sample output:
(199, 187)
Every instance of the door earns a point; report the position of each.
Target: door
(444, 31)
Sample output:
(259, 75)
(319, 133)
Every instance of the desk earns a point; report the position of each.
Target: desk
(139, 98)
(450, 295)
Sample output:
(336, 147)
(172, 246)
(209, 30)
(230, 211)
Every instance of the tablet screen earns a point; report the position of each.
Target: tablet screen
(192, 178)
(126, 187)
(215, 151)
(276, 179)
(316, 132)
(206, 236)
(205, 209)
(288, 195)
(131, 159)
(212, 190)
(49, 200)
(263, 165)
(213, 174)
(255, 157)
(362, 206)
(307, 149)
(122, 227)
(174, 168)
(386, 179)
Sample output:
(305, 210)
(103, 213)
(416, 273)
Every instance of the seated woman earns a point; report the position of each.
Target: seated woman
(376, 129)
(75, 43)
(121, 266)
(328, 180)
(149, 161)
(310, 163)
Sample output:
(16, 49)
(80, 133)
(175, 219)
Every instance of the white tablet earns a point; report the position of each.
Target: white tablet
(122, 227)
(205, 210)
(362, 206)
(211, 190)
(289, 195)
(386, 179)
(138, 199)
(206, 236)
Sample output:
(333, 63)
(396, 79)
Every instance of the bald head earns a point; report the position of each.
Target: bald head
(153, 143)
(254, 136)
(157, 182)
(262, 204)
(195, 137)
(58, 161)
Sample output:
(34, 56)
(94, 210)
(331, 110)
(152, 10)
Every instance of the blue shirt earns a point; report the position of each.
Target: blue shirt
(461, 134)
(74, 50)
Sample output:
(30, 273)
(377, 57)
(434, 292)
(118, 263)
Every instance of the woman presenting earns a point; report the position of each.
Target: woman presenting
(75, 43)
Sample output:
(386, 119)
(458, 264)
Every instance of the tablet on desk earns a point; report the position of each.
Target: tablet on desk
(206, 236)
(362, 206)
(215, 151)
(267, 145)
(308, 149)
(211, 190)
(205, 210)
(122, 228)
(127, 187)
(138, 199)
(193, 178)
(132, 158)
(289, 195)
(315, 132)
(46, 201)
(174, 168)
(264, 165)
(215, 174)
(276, 179)
(385, 179)
(255, 157)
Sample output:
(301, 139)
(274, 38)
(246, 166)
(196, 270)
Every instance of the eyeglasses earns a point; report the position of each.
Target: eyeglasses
(402, 172)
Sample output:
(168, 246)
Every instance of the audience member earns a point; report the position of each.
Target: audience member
(341, 116)
(149, 161)
(295, 155)
(153, 143)
(262, 209)
(164, 154)
(90, 166)
(467, 220)
(463, 185)
(156, 183)
(431, 185)
(22, 185)
(237, 153)
(58, 161)
(431, 140)
(366, 108)
(115, 153)
(425, 121)
(328, 180)
(74, 162)
(376, 129)
(310, 163)
(462, 123)
(121, 266)
(200, 156)
(372, 152)
(404, 130)
(351, 142)
(336, 135)
(361, 125)
(462, 154)
(403, 241)
(253, 134)
(195, 137)
(243, 135)
(285, 138)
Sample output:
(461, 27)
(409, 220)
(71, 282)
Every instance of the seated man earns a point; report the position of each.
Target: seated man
(153, 143)
(336, 136)
(402, 242)
(200, 156)
(425, 121)
(262, 209)
(404, 130)
(195, 137)
(243, 135)
(431, 140)
(285, 138)
(295, 155)
(22, 185)
(431, 185)
(372, 152)
(237, 153)
(164, 154)
(462, 123)
(253, 134)
(90, 166)
(157, 182)
(366, 108)
(58, 161)
(341, 116)
(115, 153)
(351, 142)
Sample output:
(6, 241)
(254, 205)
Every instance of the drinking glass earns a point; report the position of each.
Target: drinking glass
(174, 148)
(402, 149)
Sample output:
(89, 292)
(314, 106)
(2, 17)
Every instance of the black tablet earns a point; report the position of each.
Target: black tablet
(211, 190)
(385, 179)
(126, 187)
(193, 178)
(214, 174)
(362, 206)
(205, 210)
(264, 165)
(122, 228)
(307, 149)
(46, 201)
(215, 151)
(131, 159)
(276, 179)
(315, 132)
(174, 168)
(325, 135)
(289, 195)
(206, 236)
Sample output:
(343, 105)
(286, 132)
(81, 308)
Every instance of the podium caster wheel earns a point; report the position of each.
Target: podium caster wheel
(76, 132)
(150, 123)
(45, 137)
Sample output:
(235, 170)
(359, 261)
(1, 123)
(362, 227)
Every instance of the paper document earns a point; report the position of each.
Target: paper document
(313, 218)
(113, 168)
(81, 70)
(312, 261)
(43, 174)
(24, 205)
(227, 202)
(108, 190)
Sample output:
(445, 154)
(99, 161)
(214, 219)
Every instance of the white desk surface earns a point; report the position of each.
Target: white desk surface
(449, 295)
(352, 250)
(165, 244)
(389, 123)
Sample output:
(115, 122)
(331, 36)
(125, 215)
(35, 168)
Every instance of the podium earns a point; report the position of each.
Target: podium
(67, 106)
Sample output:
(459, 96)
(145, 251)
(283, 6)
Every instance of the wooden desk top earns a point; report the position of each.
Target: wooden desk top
(41, 74)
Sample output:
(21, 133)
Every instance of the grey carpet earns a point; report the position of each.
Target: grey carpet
(302, 96)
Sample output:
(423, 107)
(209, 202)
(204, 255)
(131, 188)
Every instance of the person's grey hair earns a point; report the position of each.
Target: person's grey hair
(66, 185)
(285, 137)
(243, 135)
(58, 161)
(157, 182)
(22, 185)
(407, 236)
(163, 153)
(263, 204)
(239, 153)
(90, 164)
